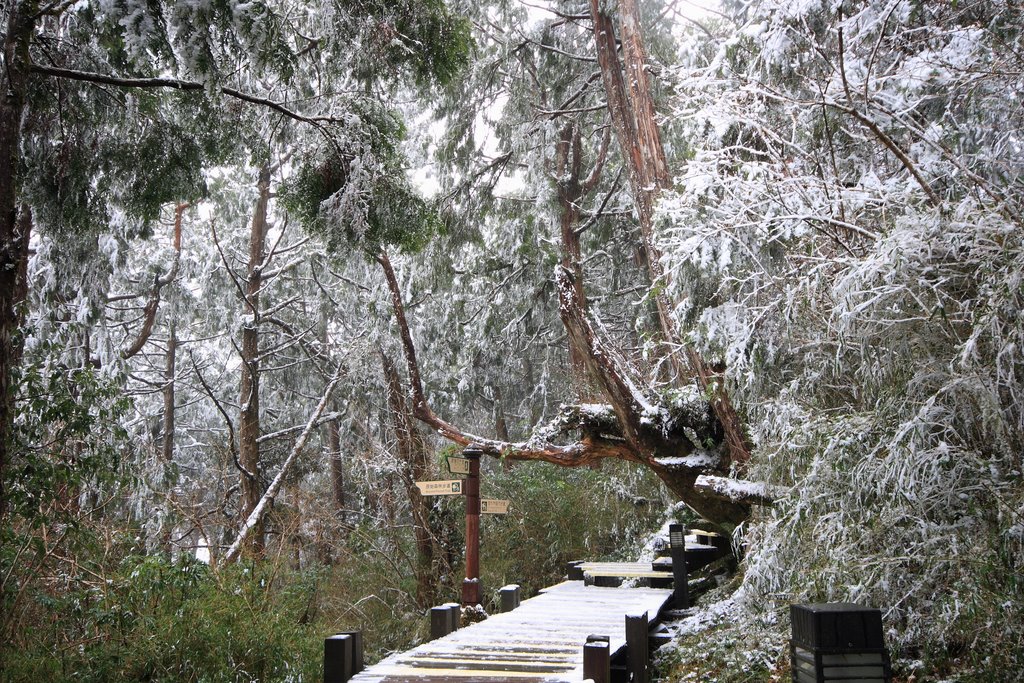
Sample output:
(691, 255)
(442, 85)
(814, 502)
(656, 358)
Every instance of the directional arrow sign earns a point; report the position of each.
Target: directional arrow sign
(458, 465)
(493, 507)
(440, 488)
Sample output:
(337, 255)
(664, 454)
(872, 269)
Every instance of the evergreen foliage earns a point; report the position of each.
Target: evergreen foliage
(845, 238)
(842, 238)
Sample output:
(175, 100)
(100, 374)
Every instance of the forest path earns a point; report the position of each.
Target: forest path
(541, 640)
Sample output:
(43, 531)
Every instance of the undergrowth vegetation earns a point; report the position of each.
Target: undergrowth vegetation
(148, 618)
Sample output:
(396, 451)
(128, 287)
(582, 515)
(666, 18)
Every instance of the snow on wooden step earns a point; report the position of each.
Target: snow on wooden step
(541, 640)
(625, 570)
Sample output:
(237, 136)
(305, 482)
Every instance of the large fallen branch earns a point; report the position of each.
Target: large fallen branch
(631, 427)
(263, 506)
(589, 448)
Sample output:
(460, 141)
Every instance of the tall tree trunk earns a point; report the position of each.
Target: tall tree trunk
(413, 454)
(633, 119)
(14, 232)
(167, 445)
(249, 395)
(167, 436)
(170, 362)
(568, 163)
(337, 466)
(333, 437)
(501, 424)
(573, 189)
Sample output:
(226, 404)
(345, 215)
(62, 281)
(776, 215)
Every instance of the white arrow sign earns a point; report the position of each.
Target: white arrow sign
(493, 507)
(440, 488)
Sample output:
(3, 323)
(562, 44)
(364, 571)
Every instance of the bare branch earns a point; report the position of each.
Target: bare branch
(149, 312)
(176, 84)
(224, 414)
(260, 511)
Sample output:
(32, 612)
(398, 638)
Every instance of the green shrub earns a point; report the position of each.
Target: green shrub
(158, 621)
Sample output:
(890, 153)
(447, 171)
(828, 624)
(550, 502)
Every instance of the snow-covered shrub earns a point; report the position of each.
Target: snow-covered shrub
(847, 239)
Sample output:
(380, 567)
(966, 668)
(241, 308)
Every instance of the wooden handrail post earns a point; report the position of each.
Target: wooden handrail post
(357, 650)
(440, 622)
(509, 598)
(637, 646)
(454, 615)
(471, 584)
(680, 578)
(597, 659)
(343, 657)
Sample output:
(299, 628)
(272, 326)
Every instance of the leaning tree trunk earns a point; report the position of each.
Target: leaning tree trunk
(650, 443)
(249, 398)
(629, 429)
(631, 107)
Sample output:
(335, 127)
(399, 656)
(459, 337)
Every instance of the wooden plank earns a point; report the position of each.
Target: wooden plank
(387, 674)
(626, 574)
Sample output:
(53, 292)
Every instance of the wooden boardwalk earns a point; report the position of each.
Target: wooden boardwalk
(541, 640)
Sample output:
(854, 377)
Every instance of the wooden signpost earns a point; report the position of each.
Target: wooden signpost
(469, 465)
(452, 487)
(489, 506)
(471, 590)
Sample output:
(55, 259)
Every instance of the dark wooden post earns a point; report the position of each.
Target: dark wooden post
(597, 659)
(338, 656)
(509, 598)
(357, 649)
(637, 647)
(838, 642)
(471, 585)
(454, 615)
(573, 571)
(677, 541)
(440, 622)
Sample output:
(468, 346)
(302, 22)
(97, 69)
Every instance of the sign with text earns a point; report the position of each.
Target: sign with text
(440, 488)
(458, 465)
(493, 507)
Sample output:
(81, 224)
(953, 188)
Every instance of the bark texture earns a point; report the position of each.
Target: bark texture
(337, 467)
(249, 394)
(170, 368)
(631, 108)
(14, 231)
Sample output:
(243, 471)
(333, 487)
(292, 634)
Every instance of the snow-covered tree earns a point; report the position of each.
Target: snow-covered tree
(845, 238)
